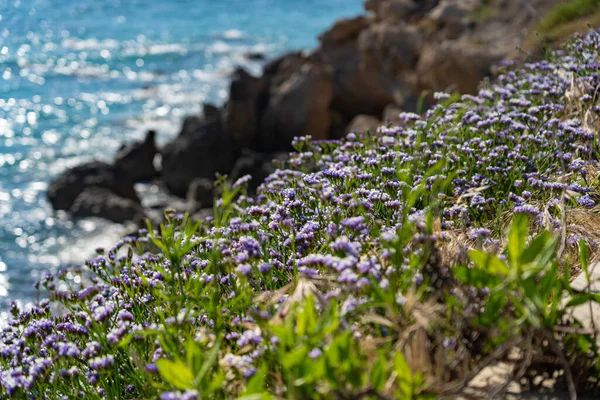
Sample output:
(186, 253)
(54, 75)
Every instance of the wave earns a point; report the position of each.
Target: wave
(89, 44)
(233, 34)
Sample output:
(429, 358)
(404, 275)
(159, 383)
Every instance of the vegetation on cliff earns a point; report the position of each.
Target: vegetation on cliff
(390, 264)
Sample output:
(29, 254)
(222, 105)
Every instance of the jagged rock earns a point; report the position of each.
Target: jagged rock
(455, 64)
(452, 12)
(202, 191)
(282, 68)
(241, 112)
(257, 165)
(210, 120)
(103, 203)
(358, 88)
(297, 107)
(137, 159)
(362, 123)
(396, 10)
(255, 55)
(373, 5)
(390, 47)
(210, 112)
(344, 29)
(391, 115)
(200, 151)
(67, 186)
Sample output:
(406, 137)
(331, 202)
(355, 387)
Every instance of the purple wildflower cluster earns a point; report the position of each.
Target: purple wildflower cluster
(353, 213)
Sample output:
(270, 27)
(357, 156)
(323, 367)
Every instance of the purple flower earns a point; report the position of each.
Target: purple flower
(355, 223)
(244, 269)
(315, 353)
(586, 201)
(100, 363)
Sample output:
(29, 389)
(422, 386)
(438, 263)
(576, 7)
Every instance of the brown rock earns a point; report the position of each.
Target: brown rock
(280, 69)
(103, 203)
(344, 29)
(202, 191)
(390, 47)
(67, 186)
(391, 114)
(200, 151)
(396, 10)
(257, 165)
(455, 64)
(358, 88)
(240, 113)
(137, 159)
(452, 12)
(363, 123)
(297, 107)
(373, 5)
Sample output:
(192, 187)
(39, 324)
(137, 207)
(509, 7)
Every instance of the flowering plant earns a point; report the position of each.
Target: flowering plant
(390, 264)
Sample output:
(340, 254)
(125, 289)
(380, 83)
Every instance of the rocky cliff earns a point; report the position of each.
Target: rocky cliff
(363, 72)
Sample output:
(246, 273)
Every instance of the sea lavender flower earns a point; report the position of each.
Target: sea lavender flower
(586, 201)
(100, 363)
(315, 353)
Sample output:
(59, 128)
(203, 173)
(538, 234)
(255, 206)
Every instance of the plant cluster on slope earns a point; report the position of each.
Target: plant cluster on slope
(391, 264)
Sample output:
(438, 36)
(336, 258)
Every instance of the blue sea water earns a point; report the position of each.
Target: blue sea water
(80, 77)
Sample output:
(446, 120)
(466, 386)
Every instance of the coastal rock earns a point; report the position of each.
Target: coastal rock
(358, 88)
(280, 69)
(257, 165)
(396, 10)
(137, 159)
(299, 106)
(373, 5)
(210, 112)
(202, 191)
(452, 12)
(390, 47)
(64, 190)
(391, 115)
(455, 64)
(344, 29)
(241, 111)
(363, 123)
(255, 55)
(201, 150)
(103, 203)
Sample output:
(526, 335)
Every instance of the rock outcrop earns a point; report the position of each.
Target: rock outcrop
(65, 189)
(298, 106)
(201, 150)
(137, 159)
(102, 203)
(363, 73)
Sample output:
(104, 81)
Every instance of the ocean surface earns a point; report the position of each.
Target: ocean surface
(80, 77)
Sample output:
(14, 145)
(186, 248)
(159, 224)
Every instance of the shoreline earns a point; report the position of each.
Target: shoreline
(365, 70)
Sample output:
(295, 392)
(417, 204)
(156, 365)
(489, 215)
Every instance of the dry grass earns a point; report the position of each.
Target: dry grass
(538, 39)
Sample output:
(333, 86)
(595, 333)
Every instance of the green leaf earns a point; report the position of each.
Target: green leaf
(535, 248)
(494, 306)
(583, 259)
(295, 357)
(209, 361)
(475, 277)
(404, 375)
(176, 373)
(517, 238)
(581, 298)
(378, 373)
(257, 383)
(489, 262)
(307, 318)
